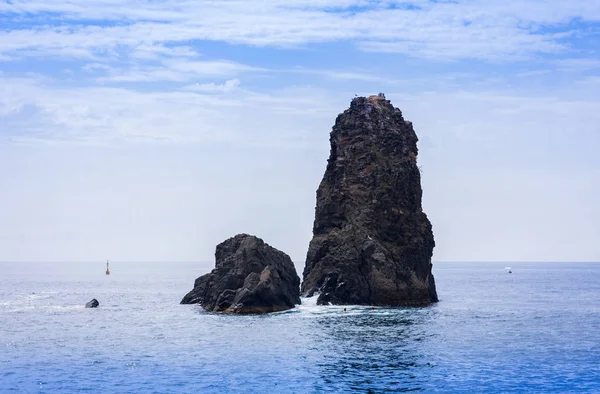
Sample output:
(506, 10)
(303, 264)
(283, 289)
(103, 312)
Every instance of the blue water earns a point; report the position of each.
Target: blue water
(535, 330)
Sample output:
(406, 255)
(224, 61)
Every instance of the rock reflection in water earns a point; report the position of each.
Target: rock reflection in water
(380, 350)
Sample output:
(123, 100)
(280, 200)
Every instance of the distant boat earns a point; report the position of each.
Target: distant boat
(508, 269)
(107, 270)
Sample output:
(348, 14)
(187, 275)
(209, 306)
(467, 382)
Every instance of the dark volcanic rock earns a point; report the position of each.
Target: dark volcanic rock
(92, 304)
(372, 244)
(249, 277)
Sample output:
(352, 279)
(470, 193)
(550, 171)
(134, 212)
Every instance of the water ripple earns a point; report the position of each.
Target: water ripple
(492, 332)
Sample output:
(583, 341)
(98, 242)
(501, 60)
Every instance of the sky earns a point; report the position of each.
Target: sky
(152, 130)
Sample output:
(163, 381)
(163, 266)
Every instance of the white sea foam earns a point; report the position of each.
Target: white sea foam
(310, 301)
(309, 307)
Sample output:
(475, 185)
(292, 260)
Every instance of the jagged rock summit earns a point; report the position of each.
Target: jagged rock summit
(249, 277)
(372, 243)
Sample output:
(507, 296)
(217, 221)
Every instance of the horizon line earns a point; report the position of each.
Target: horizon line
(212, 261)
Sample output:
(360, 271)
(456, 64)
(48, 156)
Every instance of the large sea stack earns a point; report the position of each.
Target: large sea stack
(372, 243)
(249, 277)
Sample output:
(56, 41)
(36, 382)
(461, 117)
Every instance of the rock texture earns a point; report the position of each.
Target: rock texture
(249, 277)
(92, 304)
(372, 244)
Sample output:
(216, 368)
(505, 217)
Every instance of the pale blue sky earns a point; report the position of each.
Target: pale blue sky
(153, 130)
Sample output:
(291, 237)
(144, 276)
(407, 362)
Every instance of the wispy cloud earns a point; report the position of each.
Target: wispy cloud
(532, 73)
(146, 51)
(134, 60)
(579, 64)
(177, 70)
(225, 87)
(345, 75)
(194, 113)
(103, 115)
(91, 67)
(450, 30)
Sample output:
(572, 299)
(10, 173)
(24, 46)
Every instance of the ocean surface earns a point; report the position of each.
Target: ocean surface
(536, 330)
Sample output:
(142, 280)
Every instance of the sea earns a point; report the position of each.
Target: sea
(535, 330)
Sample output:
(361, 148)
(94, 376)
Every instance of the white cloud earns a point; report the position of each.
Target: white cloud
(482, 29)
(177, 70)
(346, 75)
(532, 73)
(103, 115)
(482, 120)
(146, 51)
(210, 67)
(226, 87)
(90, 67)
(579, 64)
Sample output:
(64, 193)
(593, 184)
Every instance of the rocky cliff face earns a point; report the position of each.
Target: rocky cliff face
(249, 277)
(372, 243)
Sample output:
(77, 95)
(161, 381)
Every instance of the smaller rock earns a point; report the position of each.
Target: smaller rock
(250, 276)
(92, 304)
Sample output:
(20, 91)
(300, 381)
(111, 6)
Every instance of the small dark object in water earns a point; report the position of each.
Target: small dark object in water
(92, 304)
